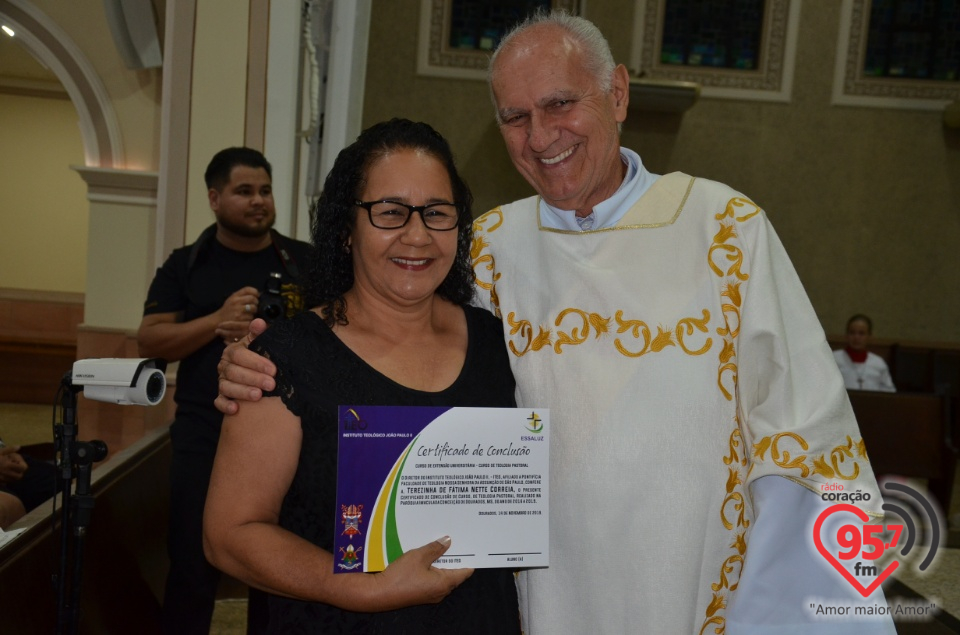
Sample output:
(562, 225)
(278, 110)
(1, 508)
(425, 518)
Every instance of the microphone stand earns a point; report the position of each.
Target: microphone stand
(74, 460)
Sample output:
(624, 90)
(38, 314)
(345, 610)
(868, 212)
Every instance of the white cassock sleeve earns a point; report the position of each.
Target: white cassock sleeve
(784, 573)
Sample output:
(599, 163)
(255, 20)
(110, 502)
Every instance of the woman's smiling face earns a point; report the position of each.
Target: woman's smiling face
(404, 265)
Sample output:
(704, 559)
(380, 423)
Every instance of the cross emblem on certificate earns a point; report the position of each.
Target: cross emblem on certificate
(535, 423)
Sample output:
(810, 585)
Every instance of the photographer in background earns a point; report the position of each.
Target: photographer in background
(205, 296)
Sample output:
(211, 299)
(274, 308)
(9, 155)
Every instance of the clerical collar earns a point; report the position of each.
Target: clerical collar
(606, 214)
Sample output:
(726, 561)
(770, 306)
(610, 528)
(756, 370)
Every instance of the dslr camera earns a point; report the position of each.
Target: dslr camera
(271, 305)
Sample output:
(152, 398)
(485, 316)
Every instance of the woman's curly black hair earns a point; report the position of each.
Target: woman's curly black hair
(330, 271)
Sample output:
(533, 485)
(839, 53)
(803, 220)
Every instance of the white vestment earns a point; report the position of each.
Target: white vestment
(681, 360)
(872, 374)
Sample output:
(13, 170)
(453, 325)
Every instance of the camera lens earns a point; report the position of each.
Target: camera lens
(272, 311)
(156, 386)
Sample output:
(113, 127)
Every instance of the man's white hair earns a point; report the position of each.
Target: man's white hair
(597, 57)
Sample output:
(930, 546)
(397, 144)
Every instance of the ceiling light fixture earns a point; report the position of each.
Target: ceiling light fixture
(7, 30)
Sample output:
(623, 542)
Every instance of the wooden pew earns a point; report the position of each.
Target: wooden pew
(124, 557)
(38, 342)
(909, 434)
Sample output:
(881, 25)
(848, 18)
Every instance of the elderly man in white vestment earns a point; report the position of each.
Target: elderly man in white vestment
(696, 408)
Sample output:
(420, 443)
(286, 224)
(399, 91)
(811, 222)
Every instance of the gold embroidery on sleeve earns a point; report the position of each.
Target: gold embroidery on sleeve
(479, 259)
(738, 202)
(719, 630)
(718, 603)
(735, 440)
(734, 254)
(782, 457)
(817, 465)
(494, 217)
(727, 365)
(725, 248)
(731, 310)
(734, 485)
(485, 260)
(727, 568)
(839, 455)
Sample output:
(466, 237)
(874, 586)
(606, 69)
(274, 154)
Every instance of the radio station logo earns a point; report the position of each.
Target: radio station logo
(863, 544)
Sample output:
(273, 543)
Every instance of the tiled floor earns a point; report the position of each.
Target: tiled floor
(229, 618)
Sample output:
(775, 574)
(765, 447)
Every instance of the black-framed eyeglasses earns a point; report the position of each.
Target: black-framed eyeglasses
(439, 217)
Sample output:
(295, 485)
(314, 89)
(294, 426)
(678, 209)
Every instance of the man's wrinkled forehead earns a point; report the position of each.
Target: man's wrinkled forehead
(541, 43)
(543, 47)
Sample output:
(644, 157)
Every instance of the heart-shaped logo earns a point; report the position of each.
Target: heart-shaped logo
(833, 509)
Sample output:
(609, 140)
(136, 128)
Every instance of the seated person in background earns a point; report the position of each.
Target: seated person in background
(25, 483)
(389, 284)
(861, 369)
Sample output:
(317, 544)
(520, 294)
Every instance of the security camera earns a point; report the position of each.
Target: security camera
(123, 381)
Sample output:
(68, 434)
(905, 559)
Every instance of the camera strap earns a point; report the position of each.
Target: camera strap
(289, 263)
(278, 241)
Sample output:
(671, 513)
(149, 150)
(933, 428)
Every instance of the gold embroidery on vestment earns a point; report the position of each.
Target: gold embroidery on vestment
(735, 203)
(525, 329)
(725, 260)
(579, 335)
(715, 620)
(736, 438)
(686, 326)
(731, 310)
(718, 603)
(818, 465)
(636, 328)
(730, 369)
(590, 323)
(733, 478)
(490, 221)
(839, 455)
(738, 506)
(733, 254)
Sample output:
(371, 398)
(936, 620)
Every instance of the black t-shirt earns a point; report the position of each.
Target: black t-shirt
(201, 288)
(317, 373)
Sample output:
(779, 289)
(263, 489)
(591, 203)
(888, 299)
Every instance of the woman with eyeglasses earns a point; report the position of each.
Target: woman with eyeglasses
(390, 325)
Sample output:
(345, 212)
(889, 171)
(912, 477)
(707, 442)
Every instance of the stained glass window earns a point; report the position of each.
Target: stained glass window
(914, 39)
(712, 33)
(479, 24)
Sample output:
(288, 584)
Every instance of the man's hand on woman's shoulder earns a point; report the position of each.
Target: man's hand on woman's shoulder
(243, 375)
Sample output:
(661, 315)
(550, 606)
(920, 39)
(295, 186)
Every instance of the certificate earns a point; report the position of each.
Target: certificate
(409, 475)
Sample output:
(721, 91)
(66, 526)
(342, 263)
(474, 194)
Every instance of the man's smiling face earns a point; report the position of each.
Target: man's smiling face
(560, 128)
